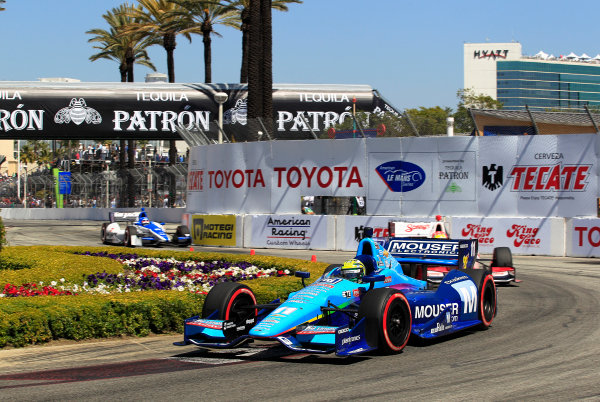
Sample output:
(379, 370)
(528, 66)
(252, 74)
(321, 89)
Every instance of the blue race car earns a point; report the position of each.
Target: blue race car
(373, 301)
(140, 231)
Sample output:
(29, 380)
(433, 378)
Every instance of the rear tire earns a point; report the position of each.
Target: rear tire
(182, 230)
(487, 302)
(388, 319)
(129, 232)
(502, 257)
(103, 233)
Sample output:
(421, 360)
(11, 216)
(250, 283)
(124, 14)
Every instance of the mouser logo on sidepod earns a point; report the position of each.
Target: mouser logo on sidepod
(401, 176)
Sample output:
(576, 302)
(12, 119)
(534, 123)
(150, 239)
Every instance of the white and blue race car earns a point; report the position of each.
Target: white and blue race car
(138, 230)
(347, 316)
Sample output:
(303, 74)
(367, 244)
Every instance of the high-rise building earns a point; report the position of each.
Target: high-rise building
(541, 82)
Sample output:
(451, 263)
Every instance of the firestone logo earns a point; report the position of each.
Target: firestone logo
(523, 235)
(482, 233)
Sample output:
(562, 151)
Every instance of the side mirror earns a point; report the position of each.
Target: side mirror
(302, 274)
(372, 279)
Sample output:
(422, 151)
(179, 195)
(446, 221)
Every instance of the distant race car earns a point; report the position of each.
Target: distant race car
(373, 301)
(501, 264)
(140, 231)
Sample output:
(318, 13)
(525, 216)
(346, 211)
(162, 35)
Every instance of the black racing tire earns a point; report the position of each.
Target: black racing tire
(502, 257)
(181, 230)
(331, 268)
(229, 300)
(103, 233)
(129, 232)
(487, 303)
(388, 319)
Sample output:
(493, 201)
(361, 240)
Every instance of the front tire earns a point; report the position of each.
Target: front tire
(388, 319)
(232, 302)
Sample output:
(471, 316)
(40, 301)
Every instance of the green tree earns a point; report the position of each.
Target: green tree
(430, 120)
(160, 20)
(125, 49)
(242, 8)
(387, 123)
(468, 99)
(36, 151)
(200, 17)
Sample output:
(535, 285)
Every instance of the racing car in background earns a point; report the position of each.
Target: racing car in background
(349, 315)
(501, 263)
(138, 230)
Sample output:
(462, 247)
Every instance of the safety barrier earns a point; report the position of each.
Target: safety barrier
(572, 237)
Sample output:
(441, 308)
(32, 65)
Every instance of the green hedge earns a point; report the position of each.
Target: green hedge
(39, 319)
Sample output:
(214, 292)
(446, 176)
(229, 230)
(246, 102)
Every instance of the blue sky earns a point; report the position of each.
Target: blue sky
(411, 51)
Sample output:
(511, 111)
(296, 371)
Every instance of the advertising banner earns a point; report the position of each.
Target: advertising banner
(521, 235)
(525, 176)
(422, 176)
(583, 237)
(151, 111)
(214, 230)
(543, 175)
(290, 231)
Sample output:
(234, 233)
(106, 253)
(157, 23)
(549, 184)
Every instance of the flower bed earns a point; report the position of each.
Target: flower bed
(149, 273)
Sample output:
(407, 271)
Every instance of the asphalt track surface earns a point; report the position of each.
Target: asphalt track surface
(544, 344)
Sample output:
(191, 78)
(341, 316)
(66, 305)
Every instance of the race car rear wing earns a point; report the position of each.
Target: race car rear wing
(462, 253)
(123, 216)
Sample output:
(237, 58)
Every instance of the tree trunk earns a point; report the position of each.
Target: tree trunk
(169, 43)
(130, 61)
(123, 71)
(255, 104)
(130, 177)
(206, 30)
(245, 28)
(267, 65)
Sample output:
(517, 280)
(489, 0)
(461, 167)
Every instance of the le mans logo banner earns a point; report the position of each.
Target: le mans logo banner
(401, 176)
(213, 230)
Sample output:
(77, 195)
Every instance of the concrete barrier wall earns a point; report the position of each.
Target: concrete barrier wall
(167, 215)
(572, 237)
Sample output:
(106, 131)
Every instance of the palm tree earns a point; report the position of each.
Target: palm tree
(36, 151)
(160, 19)
(202, 16)
(260, 74)
(242, 8)
(125, 49)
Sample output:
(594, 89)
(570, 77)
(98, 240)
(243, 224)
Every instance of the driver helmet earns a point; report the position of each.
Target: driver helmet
(145, 221)
(353, 270)
(440, 235)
